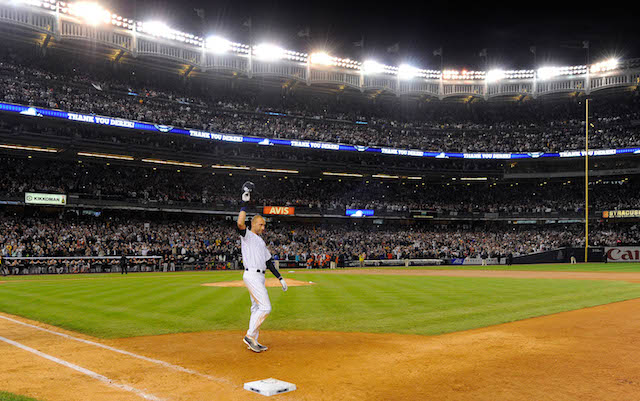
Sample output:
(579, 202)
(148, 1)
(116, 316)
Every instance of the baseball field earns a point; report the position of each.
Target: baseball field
(542, 332)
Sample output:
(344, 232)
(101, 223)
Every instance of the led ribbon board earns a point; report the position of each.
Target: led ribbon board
(359, 212)
(214, 136)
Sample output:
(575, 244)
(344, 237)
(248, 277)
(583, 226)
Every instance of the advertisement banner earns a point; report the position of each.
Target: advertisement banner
(620, 214)
(478, 261)
(359, 212)
(622, 254)
(281, 210)
(33, 198)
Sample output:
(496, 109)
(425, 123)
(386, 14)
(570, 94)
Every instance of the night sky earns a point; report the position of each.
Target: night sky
(463, 30)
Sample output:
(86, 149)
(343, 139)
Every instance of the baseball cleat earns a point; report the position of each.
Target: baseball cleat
(251, 344)
(262, 347)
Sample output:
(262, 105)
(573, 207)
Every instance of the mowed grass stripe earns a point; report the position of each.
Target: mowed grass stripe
(446, 320)
(149, 304)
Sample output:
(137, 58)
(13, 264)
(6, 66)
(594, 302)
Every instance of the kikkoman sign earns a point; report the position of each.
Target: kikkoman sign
(282, 210)
(33, 198)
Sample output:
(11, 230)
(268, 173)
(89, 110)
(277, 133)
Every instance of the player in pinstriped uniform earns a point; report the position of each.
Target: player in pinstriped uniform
(256, 259)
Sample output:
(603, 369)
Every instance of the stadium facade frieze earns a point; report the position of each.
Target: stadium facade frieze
(81, 118)
(58, 22)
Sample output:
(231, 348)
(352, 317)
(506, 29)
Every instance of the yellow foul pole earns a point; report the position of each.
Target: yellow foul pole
(586, 184)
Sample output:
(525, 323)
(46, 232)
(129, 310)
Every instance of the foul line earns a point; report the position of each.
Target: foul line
(131, 354)
(80, 369)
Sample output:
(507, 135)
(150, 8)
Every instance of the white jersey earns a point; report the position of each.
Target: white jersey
(254, 251)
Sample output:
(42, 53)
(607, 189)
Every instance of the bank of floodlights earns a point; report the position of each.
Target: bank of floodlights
(271, 52)
(92, 13)
(499, 75)
(546, 73)
(322, 58)
(406, 71)
(463, 75)
(519, 74)
(604, 66)
(372, 67)
(220, 45)
(161, 30)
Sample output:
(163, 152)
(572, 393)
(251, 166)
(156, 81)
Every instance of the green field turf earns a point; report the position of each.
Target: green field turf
(112, 306)
(12, 397)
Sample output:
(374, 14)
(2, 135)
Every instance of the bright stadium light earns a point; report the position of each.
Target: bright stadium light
(321, 58)
(606, 65)
(219, 45)
(156, 28)
(495, 75)
(406, 71)
(91, 13)
(547, 72)
(372, 67)
(268, 52)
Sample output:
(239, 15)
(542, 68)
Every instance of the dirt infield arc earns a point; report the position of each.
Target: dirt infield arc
(588, 354)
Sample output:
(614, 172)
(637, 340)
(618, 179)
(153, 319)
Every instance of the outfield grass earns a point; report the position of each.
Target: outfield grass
(12, 397)
(112, 306)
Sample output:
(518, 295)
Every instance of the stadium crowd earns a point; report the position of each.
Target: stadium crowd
(147, 185)
(215, 242)
(90, 88)
(527, 127)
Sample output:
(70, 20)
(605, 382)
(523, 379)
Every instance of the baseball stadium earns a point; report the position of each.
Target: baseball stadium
(190, 215)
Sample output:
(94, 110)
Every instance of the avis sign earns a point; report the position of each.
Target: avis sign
(282, 210)
(622, 254)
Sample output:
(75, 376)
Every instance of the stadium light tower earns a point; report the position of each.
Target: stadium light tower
(547, 72)
(372, 67)
(91, 13)
(218, 45)
(406, 71)
(495, 75)
(607, 65)
(321, 58)
(268, 52)
(156, 28)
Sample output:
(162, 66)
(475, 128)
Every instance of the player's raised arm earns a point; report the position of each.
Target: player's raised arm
(242, 216)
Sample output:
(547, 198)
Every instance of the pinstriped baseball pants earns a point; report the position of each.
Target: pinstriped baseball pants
(260, 303)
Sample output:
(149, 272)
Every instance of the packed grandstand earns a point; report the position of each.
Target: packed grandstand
(170, 199)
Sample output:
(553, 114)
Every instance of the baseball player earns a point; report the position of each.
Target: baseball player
(256, 259)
